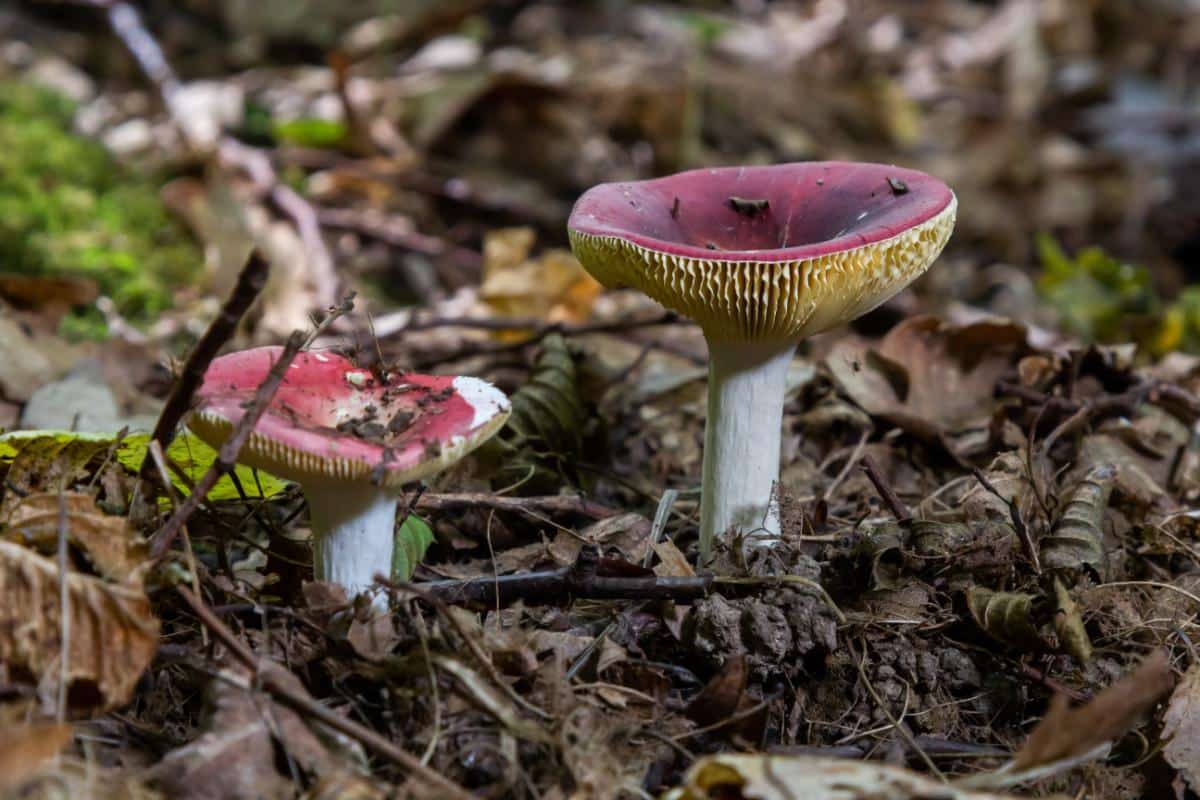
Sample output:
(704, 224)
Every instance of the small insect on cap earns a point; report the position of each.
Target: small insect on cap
(763, 253)
(331, 421)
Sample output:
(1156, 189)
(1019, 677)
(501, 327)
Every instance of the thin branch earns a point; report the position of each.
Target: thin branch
(250, 283)
(286, 688)
(534, 506)
(227, 455)
(894, 503)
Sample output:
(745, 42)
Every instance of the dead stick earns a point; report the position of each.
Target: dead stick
(227, 455)
(1018, 522)
(290, 693)
(250, 283)
(559, 504)
(894, 503)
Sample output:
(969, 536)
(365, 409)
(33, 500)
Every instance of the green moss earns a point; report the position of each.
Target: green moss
(67, 208)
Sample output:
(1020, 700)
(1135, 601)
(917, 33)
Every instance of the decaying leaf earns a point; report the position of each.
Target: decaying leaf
(1181, 728)
(114, 551)
(1077, 540)
(24, 748)
(112, 633)
(927, 376)
(1005, 616)
(490, 700)
(757, 776)
(1066, 733)
(250, 748)
(553, 286)
(1069, 625)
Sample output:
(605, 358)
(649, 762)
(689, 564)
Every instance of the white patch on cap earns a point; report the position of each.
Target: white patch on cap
(485, 399)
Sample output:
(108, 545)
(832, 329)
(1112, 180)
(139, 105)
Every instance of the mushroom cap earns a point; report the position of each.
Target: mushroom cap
(769, 252)
(331, 421)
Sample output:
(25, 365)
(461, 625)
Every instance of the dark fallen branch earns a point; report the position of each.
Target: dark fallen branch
(227, 455)
(250, 283)
(594, 578)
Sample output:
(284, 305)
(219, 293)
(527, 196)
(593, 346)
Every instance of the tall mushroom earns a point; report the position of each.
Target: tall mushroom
(760, 257)
(350, 438)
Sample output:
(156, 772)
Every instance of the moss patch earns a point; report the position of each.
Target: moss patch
(67, 208)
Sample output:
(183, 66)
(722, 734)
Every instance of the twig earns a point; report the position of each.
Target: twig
(894, 503)
(250, 283)
(897, 724)
(227, 455)
(288, 691)
(1014, 513)
(538, 330)
(555, 504)
(331, 315)
(392, 231)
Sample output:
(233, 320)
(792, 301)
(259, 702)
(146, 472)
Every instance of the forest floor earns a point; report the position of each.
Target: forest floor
(988, 576)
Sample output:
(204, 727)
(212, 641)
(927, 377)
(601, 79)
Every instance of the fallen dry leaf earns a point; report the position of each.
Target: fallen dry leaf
(1071, 732)
(552, 286)
(926, 376)
(246, 751)
(116, 552)
(1181, 728)
(758, 776)
(112, 633)
(24, 748)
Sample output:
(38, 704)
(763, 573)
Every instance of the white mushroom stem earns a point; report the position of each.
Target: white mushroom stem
(746, 384)
(353, 534)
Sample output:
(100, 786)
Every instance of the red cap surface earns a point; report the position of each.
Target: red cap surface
(770, 252)
(333, 421)
(782, 212)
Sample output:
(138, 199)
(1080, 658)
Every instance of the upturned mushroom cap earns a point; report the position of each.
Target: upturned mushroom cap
(331, 421)
(762, 253)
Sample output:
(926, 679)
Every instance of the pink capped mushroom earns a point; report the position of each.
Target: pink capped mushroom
(350, 439)
(761, 258)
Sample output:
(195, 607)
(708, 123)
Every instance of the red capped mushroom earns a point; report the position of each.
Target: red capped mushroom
(761, 257)
(350, 439)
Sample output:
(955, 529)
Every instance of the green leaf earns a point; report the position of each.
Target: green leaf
(412, 540)
(29, 449)
(313, 132)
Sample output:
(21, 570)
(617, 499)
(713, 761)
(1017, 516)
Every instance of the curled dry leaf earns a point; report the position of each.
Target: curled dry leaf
(1077, 541)
(116, 552)
(731, 776)
(113, 635)
(1181, 728)
(1005, 616)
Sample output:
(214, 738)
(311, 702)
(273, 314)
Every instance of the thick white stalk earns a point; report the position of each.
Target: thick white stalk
(746, 384)
(353, 530)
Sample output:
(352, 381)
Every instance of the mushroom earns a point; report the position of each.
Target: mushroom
(350, 438)
(761, 257)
